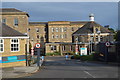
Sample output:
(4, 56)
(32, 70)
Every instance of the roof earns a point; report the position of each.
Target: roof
(6, 31)
(88, 28)
(9, 10)
(78, 22)
(12, 11)
(37, 23)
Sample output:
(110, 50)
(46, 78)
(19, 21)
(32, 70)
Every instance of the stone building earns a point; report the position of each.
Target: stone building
(54, 36)
(12, 47)
(15, 19)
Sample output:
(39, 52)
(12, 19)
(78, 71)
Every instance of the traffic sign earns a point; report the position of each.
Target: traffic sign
(107, 44)
(37, 45)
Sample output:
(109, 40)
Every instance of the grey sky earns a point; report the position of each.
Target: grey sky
(106, 13)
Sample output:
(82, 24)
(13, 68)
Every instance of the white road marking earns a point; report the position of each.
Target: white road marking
(89, 74)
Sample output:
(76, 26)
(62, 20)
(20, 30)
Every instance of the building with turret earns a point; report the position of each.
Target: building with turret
(57, 36)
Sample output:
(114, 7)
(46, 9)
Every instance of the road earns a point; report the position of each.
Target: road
(58, 67)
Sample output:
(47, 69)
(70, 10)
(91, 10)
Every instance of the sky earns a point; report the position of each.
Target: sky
(106, 13)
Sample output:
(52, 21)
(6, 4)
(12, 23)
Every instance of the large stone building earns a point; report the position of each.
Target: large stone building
(54, 36)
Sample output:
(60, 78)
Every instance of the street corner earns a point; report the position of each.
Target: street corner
(17, 72)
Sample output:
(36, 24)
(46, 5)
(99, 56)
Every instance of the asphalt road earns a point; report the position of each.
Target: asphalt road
(58, 67)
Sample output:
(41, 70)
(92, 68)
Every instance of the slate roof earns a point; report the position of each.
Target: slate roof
(9, 10)
(12, 11)
(88, 28)
(78, 22)
(6, 31)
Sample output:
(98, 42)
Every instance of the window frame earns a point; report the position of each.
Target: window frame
(16, 21)
(53, 36)
(57, 29)
(53, 47)
(3, 45)
(14, 43)
(57, 36)
(3, 20)
(52, 29)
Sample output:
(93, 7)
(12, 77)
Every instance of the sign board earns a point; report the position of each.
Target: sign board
(37, 45)
(83, 51)
(107, 44)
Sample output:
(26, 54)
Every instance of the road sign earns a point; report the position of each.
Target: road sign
(37, 45)
(83, 51)
(107, 44)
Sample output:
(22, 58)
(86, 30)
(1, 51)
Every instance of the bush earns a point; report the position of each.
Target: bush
(51, 54)
(75, 57)
(83, 58)
(86, 58)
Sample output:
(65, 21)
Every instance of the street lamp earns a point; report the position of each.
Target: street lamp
(90, 43)
(76, 48)
(32, 48)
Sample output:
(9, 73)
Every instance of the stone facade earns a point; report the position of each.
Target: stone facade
(56, 33)
(18, 58)
(22, 21)
(61, 31)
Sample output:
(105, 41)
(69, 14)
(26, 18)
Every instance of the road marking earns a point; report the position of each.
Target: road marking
(89, 74)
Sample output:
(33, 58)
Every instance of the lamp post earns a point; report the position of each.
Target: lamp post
(32, 48)
(90, 43)
(76, 47)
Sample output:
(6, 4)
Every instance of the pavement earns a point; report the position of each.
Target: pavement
(16, 72)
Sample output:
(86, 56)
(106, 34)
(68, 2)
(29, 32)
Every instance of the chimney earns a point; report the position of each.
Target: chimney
(106, 26)
(91, 16)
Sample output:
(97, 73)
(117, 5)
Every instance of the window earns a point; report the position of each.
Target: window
(56, 36)
(52, 36)
(63, 48)
(1, 45)
(70, 48)
(65, 29)
(16, 22)
(65, 35)
(3, 20)
(72, 29)
(101, 38)
(53, 48)
(38, 36)
(62, 36)
(37, 30)
(96, 30)
(52, 29)
(56, 29)
(62, 30)
(14, 45)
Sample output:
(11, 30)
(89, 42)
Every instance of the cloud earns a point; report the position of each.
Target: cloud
(106, 13)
